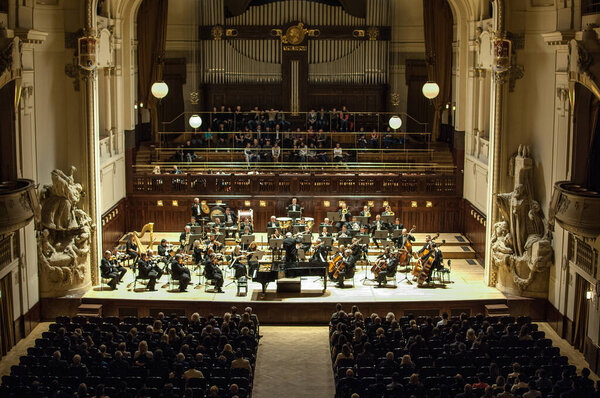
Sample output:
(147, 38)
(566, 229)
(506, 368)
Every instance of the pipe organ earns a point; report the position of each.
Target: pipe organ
(308, 41)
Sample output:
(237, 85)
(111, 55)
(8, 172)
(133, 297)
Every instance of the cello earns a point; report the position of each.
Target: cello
(335, 266)
(427, 264)
(406, 250)
(418, 267)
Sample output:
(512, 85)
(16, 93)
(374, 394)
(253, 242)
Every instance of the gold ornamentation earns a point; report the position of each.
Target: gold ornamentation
(216, 32)
(357, 33)
(194, 98)
(373, 33)
(231, 32)
(294, 34)
(395, 99)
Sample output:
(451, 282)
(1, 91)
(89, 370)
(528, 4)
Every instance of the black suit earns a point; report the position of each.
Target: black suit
(132, 249)
(182, 239)
(162, 250)
(213, 272)
(402, 239)
(295, 207)
(197, 211)
(377, 226)
(291, 252)
(109, 271)
(344, 219)
(389, 271)
(181, 273)
(320, 254)
(273, 224)
(150, 272)
(233, 218)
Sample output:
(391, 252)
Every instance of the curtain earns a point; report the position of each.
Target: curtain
(152, 36)
(438, 26)
(7, 331)
(581, 313)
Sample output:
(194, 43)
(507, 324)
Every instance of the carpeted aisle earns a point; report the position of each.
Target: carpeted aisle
(293, 361)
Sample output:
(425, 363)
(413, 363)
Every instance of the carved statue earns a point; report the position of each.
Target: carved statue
(521, 244)
(63, 238)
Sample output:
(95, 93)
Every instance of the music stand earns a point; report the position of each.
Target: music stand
(220, 216)
(333, 216)
(276, 244)
(297, 228)
(270, 231)
(220, 237)
(344, 241)
(247, 239)
(197, 229)
(364, 239)
(396, 233)
(363, 220)
(387, 219)
(193, 237)
(328, 241)
(387, 243)
(294, 214)
(381, 234)
(353, 232)
(307, 238)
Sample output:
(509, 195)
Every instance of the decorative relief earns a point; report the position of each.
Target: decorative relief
(521, 243)
(63, 238)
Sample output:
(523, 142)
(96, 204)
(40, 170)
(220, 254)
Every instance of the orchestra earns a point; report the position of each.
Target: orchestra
(348, 239)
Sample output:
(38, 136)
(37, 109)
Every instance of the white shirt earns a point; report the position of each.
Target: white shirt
(337, 151)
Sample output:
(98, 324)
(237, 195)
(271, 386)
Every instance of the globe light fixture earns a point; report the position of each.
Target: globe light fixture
(195, 121)
(431, 90)
(160, 89)
(395, 122)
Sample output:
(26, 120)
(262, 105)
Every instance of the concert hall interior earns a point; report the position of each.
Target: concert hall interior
(172, 171)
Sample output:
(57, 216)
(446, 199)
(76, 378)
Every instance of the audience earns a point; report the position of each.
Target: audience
(448, 357)
(173, 356)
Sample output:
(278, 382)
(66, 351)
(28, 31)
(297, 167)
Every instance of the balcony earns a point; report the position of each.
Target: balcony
(576, 209)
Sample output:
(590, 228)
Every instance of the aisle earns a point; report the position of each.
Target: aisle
(293, 361)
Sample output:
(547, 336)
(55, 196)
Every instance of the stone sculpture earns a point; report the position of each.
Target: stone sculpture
(521, 243)
(63, 238)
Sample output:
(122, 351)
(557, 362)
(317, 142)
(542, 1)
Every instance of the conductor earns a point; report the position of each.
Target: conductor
(289, 245)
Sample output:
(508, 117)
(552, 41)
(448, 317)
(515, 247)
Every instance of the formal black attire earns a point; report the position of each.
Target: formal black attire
(320, 254)
(162, 251)
(293, 207)
(344, 218)
(197, 211)
(306, 246)
(273, 224)
(291, 252)
(348, 270)
(402, 239)
(239, 268)
(182, 237)
(150, 272)
(389, 271)
(131, 250)
(213, 272)
(109, 271)
(181, 273)
(252, 262)
(377, 226)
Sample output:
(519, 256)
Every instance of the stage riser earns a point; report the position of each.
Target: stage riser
(292, 313)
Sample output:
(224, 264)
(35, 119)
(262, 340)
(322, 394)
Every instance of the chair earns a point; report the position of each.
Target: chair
(242, 284)
(443, 273)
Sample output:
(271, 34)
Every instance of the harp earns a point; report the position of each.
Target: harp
(137, 236)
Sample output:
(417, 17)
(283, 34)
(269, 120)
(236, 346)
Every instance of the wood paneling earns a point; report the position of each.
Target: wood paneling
(443, 216)
(113, 225)
(474, 228)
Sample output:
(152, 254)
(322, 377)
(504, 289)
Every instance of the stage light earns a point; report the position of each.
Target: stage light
(326, 203)
(135, 106)
(262, 203)
(175, 203)
(395, 122)
(431, 90)
(428, 204)
(160, 89)
(588, 295)
(159, 202)
(195, 121)
(247, 203)
(370, 203)
(413, 203)
(141, 104)
(385, 203)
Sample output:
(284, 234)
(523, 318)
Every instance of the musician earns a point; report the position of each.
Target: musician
(276, 235)
(197, 210)
(108, 270)
(163, 248)
(405, 237)
(131, 248)
(377, 225)
(427, 246)
(365, 212)
(273, 223)
(354, 224)
(230, 217)
(306, 246)
(356, 248)
(294, 206)
(345, 216)
(390, 270)
(197, 252)
(289, 245)
(343, 232)
(324, 233)
(180, 272)
(320, 253)
(438, 260)
(236, 263)
(193, 222)
(349, 267)
(213, 244)
(212, 270)
(148, 271)
(388, 211)
(216, 224)
(184, 238)
(246, 232)
(252, 257)
(397, 225)
(246, 224)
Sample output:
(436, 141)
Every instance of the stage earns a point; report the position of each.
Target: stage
(466, 292)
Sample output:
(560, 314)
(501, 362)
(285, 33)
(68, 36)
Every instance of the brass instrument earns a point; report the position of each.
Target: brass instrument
(344, 211)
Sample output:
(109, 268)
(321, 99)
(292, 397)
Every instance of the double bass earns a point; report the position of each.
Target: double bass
(418, 267)
(427, 264)
(335, 266)
(406, 250)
